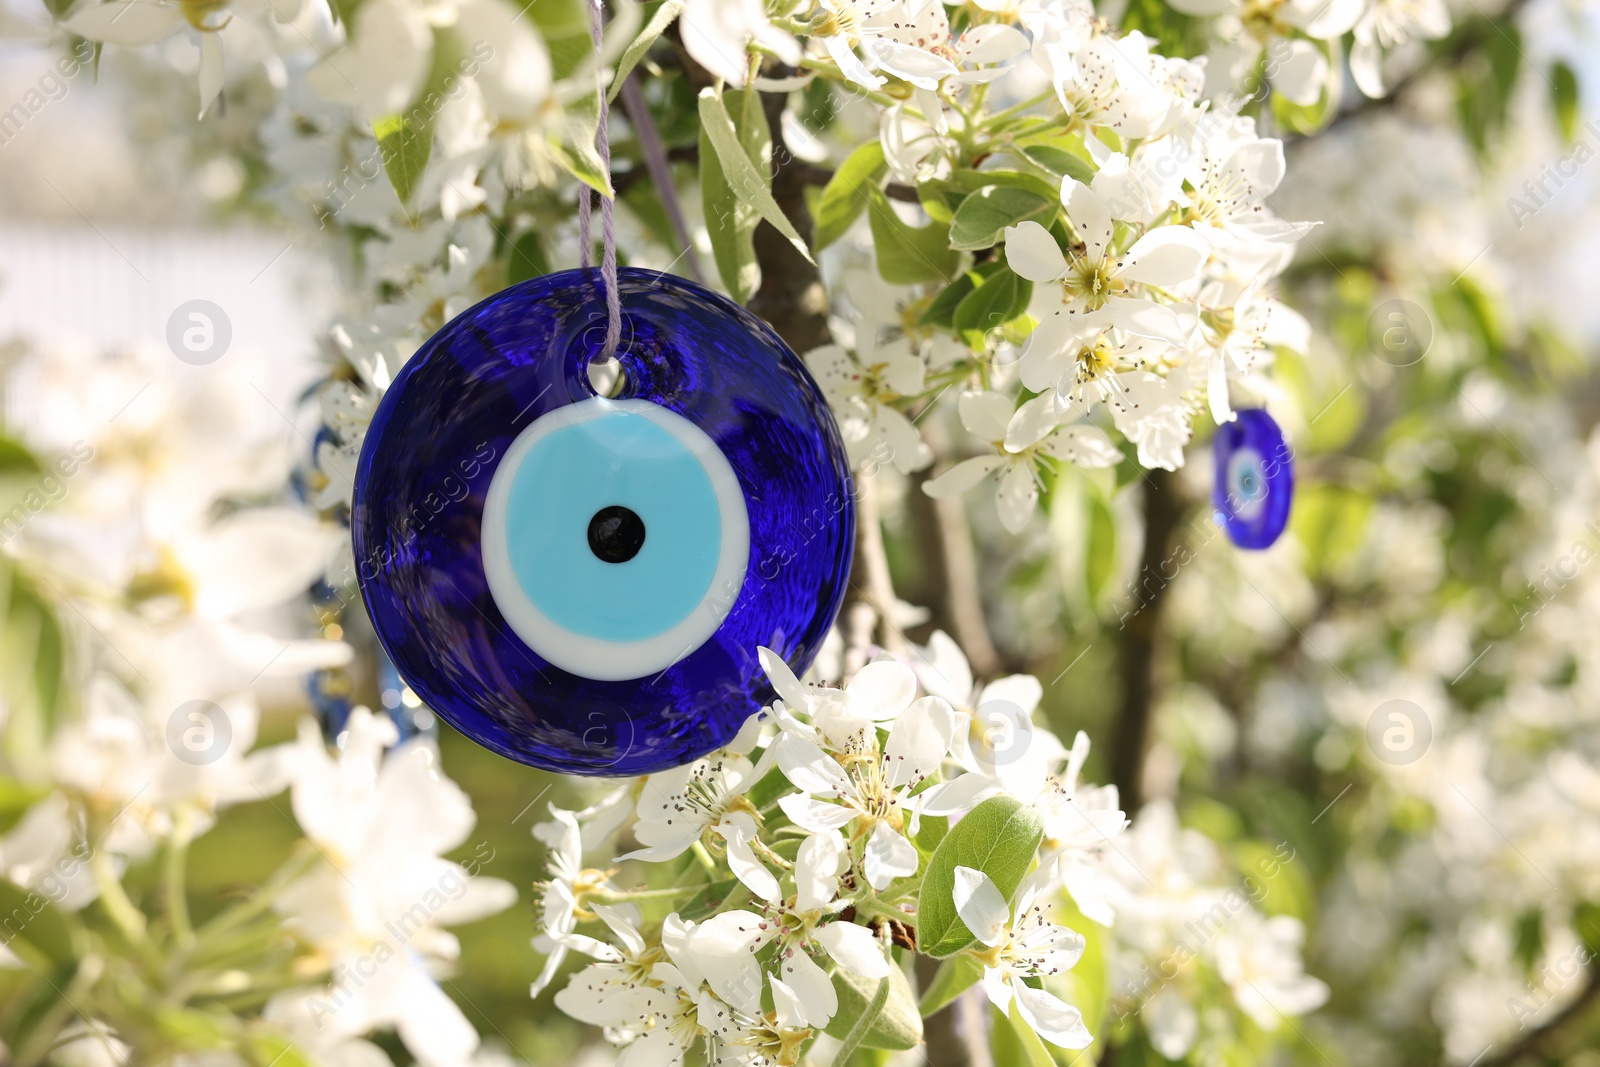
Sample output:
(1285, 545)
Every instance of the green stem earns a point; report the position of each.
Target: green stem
(176, 876)
(611, 896)
(121, 910)
(870, 905)
(258, 902)
(833, 73)
(1017, 109)
(115, 899)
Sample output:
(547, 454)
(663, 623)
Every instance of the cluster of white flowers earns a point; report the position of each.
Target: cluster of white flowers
(1151, 267)
(820, 834)
(171, 637)
(1287, 44)
(1160, 303)
(423, 142)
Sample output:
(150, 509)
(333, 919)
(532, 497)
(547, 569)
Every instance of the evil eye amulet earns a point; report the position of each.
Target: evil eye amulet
(1255, 479)
(581, 582)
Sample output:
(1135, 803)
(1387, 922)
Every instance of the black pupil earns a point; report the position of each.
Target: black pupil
(616, 534)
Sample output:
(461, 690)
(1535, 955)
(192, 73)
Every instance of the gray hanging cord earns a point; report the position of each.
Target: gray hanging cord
(608, 228)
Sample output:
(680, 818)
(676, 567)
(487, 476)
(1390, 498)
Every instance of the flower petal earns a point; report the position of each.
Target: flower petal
(1017, 497)
(854, 948)
(210, 69)
(1089, 215)
(126, 24)
(1032, 421)
(957, 795)
(943, 669)
(918, 742)
(738, 829)
(963, 476)
(888, 856)
(812, 986)
(1302, 71)
(980, 905)
(1033, 254)
(985, 414)
(1044, 354)
(810, 769)
(817, 867)
(881, 691)
(786, 1004)
(1052, 1018)
(1146, 318)
(1166, 255)
(818, 816)
(782, 678)
(1087, 446)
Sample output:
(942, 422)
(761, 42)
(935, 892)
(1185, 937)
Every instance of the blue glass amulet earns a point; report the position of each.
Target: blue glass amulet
(580, 582)
(1254, 479)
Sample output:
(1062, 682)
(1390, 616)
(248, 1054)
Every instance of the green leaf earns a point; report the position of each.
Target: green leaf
(664, 16)
(955, 976)
(844, 198)
(895, 1023)
(15, 459)
(564, 25)
(1331, 522)
(1032, 1050)
(527, 259)
(15, 800)
(34, 929)
(1483, 96)
(972, 181)
(1564, 99)
(1087, 985)
(405, 139)
(1002, 297)
(1304, 119)
(192, 1028)
(35, 1016)
(32, 661)
(711, 900)
(275, 1050)
(856, 1036)
(1100, 555)
(942, 311)
(731, 219)
(344, 11)
(982, 218)
(908, 255)
(1586, 920)
(404, 146)
(1060, 161)
(930, 833)
(748, 182)
(1274, 883)
(580, 156)
(998, 837)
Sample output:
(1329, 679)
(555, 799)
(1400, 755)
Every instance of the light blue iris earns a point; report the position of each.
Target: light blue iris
(625, 459)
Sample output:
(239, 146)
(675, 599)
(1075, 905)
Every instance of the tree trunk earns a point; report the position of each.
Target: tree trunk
(1136, 653)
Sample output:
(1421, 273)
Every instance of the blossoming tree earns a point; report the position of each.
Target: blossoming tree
(1032, 252)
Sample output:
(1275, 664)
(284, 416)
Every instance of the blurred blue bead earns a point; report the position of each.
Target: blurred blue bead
(453, 414)
(1254, 485)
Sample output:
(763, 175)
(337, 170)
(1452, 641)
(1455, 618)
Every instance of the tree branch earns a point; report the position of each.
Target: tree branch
(950, 574)
(1534, 1041)
(791, 297)
(1136, 653)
